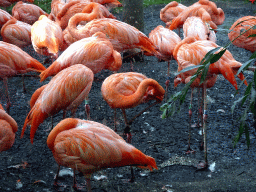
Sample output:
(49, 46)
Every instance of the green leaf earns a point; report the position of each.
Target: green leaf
(253, 35)
(253, 56)
(218, 55)
(247, 92)
(238, 136)
(247, 135)
(235, 103)
(189, 69)
(244, 66)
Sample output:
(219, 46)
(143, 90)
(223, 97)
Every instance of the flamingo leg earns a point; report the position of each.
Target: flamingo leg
(88, 183)
(57, 177)
(23, 84)
(7, 95)
(189, 150)
(87, 109)
(201, 118)
(204, 164)
(200, 111)
(127, 129)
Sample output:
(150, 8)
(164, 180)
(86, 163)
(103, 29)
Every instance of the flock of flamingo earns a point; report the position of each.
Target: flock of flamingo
(82, 38)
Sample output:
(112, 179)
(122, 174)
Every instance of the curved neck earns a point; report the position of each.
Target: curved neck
(9, 119)
(66, 124)
(135, 99)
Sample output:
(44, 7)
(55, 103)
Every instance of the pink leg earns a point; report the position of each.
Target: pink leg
(189, 150)
(87, 109)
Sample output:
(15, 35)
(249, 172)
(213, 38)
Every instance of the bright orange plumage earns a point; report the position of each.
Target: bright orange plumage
(8, 128)
(16, 32)
(88, 146)
(122, 35)
(95, 52)
(46, 36)
(248, 43)
(195, 27)
(28, 13)
(165, 39)
(126, 90)
(73, 84)
(171, 10)
(204, 9)
(190, 52)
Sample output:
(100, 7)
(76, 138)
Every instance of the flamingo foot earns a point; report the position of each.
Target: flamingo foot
(202, 165)
(190, 151)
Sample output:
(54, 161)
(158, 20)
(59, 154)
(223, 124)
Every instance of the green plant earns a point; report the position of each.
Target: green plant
(175, 102)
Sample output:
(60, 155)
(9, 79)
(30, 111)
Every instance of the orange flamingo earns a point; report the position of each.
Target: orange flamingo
(73, 84)
(95, 52)
(195, 27)
(8, 128)
(122, 35)
(15, 61)
(190, 52)
(170, 11)
(127, 90)
(16, 32)
(166, 40)
(4, 17)
(204, 9)
(88, 146)
(243, 41)
(28, 13)
(7, 3)
(97, 11)
(46, 37)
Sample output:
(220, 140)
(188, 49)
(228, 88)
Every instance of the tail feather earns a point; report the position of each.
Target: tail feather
(35, 65)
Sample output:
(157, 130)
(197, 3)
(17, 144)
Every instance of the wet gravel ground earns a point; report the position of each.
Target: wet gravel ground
(27, 167)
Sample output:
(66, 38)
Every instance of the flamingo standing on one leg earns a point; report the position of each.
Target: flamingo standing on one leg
(166, 40)
(190, 52)
(73, 84)
(127, 90)
(15, 61)
(8, 128)
(88, 146)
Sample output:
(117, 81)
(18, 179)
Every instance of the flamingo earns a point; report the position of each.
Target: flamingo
(170, 11)
(28, 13)
(16, 32)
(8, 128)
(88, 146)
(122, 35)
(46, 37)
(15, 61)
(4, 17)
(127, 90)
(166, 40)
(195, 27)
(243, 41)
(190, 52)
(205, 9)
(95, 52)
(73, 84)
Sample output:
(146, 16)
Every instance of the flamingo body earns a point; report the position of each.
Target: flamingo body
(16, 32)
(127, 90)
(190, 52)
(195, 27)
(88, 146)
(46, 36)
(248, 43)
(7, 3)
(65, 91)
(165, 40)
(28, 13)
(95, 52)
(8, 128)
(4, 17)
(122, 35)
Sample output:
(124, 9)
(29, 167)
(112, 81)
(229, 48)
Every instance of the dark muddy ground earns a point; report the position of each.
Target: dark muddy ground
(163, 139)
